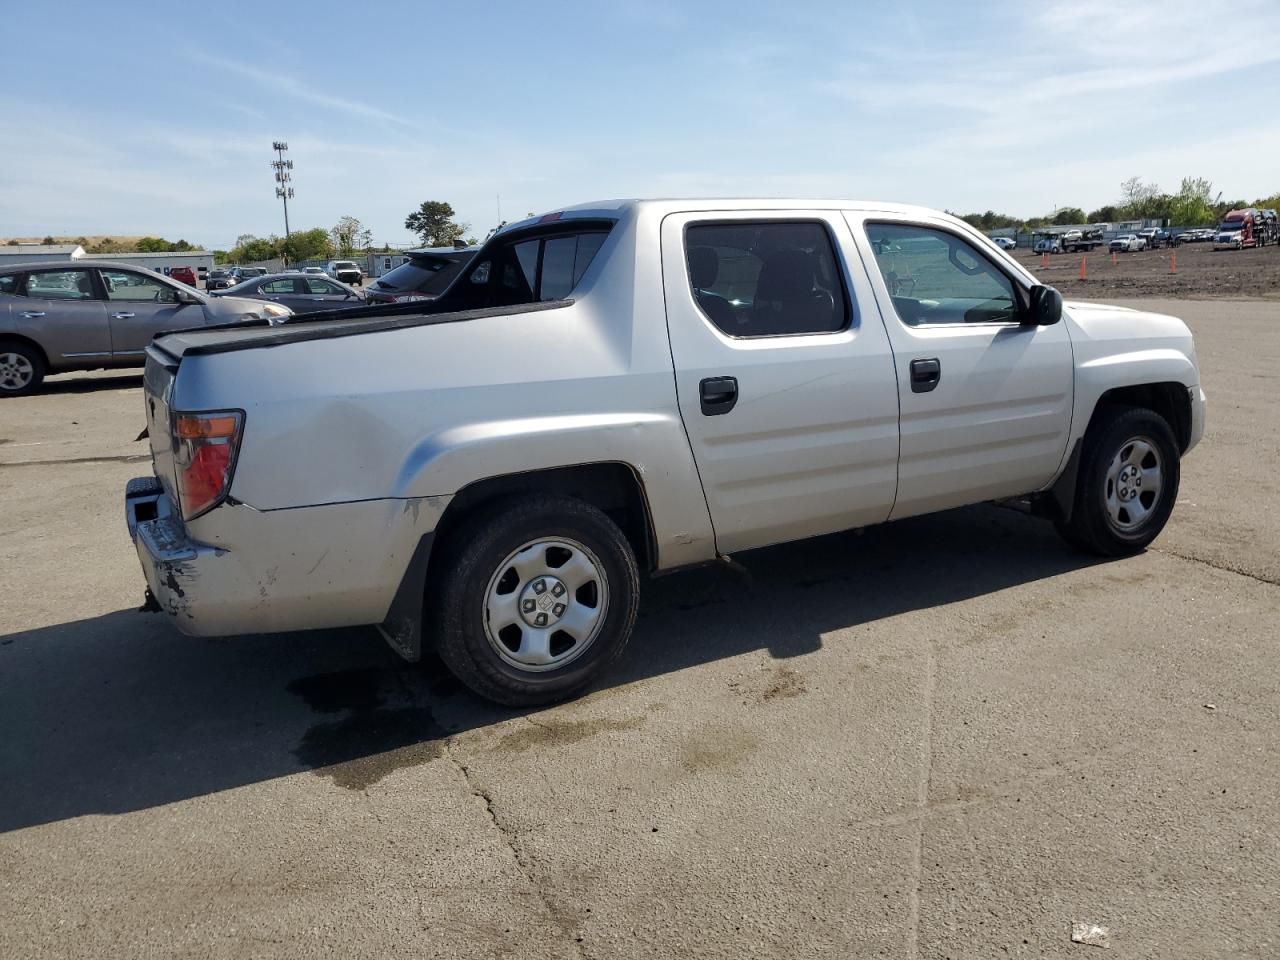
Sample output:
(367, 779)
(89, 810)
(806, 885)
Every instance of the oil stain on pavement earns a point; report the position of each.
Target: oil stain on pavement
(372, 739)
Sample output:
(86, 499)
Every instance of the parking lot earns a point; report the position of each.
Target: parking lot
(947, 736)
(1197, 271)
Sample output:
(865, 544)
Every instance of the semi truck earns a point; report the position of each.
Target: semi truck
(1238, 229)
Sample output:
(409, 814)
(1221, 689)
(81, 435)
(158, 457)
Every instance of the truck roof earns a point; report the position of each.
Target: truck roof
(617, 208)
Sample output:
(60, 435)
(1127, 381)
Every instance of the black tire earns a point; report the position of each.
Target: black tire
(1092, 527)
(475, 555)
(10, 385)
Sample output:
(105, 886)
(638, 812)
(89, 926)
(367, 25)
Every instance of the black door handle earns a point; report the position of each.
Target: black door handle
(925, 374)
(717, 395)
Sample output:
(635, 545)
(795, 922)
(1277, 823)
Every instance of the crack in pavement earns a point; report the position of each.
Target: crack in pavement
(522, 861)
(922, 801)
(1209, 563)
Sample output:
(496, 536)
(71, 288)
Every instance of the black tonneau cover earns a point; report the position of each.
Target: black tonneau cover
(231, 337)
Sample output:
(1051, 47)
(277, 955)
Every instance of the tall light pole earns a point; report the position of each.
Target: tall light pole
(283, 176)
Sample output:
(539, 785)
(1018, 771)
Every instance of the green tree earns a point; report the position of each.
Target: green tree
(1109, 213)
(347, 234)
(433, 222)
(1134, 192)
(310, 244)
(1193, 204)
(152, 245)
(48, 241)
(1067, 215)
(250, 249)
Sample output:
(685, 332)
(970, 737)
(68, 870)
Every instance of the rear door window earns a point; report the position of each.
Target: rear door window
(766, 278)
(60, 285)
(9, 283)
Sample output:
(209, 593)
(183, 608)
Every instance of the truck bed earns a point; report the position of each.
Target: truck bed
(230, 338)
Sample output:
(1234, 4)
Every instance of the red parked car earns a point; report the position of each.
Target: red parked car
(183, 275)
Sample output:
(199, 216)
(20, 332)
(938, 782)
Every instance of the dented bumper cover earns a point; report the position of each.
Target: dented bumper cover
(238, 570)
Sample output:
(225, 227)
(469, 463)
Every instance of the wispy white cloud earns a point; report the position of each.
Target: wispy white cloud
(297, 89)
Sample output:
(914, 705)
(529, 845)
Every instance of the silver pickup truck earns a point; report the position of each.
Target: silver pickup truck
(630, 387)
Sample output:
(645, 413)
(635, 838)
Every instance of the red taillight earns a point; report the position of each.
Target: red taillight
(205, 446)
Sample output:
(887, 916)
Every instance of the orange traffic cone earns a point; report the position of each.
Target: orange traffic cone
(1083, 269)
(1173, 263)
(1044, 261)
(1113, 258)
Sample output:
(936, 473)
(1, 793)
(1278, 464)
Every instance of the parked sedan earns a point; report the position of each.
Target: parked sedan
(300, 292)
(1127, 243)
(219, 279)
(66, 315)
(1004, 243)
(424, 276)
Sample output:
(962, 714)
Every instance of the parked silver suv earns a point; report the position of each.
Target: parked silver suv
(77, 315)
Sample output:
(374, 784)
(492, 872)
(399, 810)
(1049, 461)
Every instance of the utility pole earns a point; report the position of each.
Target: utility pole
(283, 176)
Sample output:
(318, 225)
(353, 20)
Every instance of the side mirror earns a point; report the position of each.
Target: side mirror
(186, 297)
(1045, 309)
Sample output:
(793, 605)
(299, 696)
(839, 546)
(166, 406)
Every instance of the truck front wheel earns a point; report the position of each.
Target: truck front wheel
(538, 597)
(1127, 485)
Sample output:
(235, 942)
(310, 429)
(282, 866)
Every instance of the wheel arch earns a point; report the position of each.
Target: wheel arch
(614, 487)
(26, 341)
(1169, 399)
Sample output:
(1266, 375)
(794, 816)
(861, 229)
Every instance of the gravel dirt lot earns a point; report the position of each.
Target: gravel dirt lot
(944, 737)
(1202, 273)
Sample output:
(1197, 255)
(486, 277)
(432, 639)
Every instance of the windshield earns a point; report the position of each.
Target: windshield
(1231, 225)
(422, 274)
(344, 265)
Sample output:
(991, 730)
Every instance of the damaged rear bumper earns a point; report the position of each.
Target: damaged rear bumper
(238, 570)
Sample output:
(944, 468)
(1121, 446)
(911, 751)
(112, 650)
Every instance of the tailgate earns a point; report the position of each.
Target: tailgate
(157, 388)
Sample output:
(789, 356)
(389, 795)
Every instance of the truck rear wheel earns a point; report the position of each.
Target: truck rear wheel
(538, 597)
(1127, 485)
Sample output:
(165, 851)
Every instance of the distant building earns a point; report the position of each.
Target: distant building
(35, 252)
(199, 260)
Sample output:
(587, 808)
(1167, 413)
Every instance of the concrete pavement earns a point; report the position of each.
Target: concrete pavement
(945, 737)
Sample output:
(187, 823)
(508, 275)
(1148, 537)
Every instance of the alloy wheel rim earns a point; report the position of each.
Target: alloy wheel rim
(1134, 484)
(16, 371)
(545, 604)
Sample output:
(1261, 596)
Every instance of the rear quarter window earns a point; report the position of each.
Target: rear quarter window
(9, 283)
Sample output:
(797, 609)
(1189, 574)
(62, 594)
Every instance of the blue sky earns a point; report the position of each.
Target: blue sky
(157, 119)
